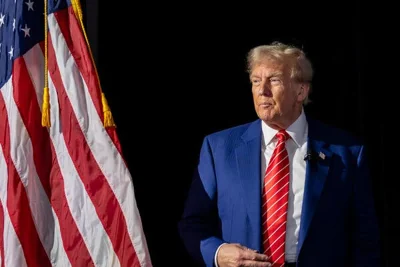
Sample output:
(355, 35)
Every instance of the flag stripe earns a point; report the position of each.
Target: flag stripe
(3, 201)
(79, 203)
(70, 26)
(71, 102)
(81, 206)
(75, 247)
(23, 157)
(67, 198)
(17, 201)
(12, 254)
(108, 157)
(2, 216)
(24, 96)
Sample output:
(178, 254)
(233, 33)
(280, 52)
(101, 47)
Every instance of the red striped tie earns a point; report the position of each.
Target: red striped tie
(275, 202)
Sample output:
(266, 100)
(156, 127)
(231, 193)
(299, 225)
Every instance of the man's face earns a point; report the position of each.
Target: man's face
(277, 97)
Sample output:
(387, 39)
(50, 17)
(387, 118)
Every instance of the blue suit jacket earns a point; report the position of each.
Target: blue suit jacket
(338, 223)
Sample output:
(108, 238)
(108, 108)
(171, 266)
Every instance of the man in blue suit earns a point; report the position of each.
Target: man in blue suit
(327, 213)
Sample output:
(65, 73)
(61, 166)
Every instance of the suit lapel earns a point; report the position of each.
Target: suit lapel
(317, 170)
(249, 170)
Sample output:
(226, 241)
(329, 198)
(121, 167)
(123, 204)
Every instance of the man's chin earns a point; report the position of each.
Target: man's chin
(266, 116)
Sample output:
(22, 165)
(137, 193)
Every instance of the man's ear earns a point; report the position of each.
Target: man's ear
(303, 91)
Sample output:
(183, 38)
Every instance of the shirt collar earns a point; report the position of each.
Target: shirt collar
(297, 131)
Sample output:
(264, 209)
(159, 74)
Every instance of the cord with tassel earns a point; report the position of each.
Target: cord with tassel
(108, 118)
(46, 97)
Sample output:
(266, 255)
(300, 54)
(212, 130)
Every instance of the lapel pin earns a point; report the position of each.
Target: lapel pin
(321, 155)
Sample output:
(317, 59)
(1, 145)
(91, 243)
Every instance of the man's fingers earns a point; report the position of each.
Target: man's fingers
(238, 255)
(250, 254)
(250, 263)
(241, 246)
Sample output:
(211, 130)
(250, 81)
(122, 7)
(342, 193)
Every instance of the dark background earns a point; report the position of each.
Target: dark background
(174, 73)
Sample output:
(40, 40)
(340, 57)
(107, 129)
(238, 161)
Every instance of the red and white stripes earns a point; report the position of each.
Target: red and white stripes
(66, 195)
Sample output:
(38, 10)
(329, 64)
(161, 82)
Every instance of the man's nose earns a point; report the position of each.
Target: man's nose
(265, 89)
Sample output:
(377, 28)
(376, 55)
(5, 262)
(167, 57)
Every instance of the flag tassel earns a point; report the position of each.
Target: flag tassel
(46, 98)
(46, 108)
(108, 120)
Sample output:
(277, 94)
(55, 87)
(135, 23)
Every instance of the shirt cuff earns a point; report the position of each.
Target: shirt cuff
(216, 254)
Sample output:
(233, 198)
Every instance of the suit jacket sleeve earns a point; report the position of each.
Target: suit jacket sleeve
(199, 226)
(366, 231)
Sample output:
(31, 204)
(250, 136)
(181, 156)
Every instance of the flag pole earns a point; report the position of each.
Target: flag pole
(108, 118)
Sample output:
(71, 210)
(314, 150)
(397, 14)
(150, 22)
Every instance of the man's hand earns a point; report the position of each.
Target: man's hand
(236, 255)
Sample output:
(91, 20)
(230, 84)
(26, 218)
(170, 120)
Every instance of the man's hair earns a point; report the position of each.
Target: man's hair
(301, 67)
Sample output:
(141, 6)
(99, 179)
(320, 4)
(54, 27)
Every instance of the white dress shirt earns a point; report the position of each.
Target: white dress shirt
(297, 149)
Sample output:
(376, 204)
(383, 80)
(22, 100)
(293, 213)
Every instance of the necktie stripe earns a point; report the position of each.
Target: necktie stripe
(276, 231)
(280, 166)
(275, 202)
(268, 195)
(275, 222)
(276, 243)
(277, 207)
(268, 208)
(281, 256)
(275, 155)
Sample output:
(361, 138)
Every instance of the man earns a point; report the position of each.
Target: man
(284, 190)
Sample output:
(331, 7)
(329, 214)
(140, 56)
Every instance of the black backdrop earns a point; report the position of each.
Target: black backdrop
(174, 73)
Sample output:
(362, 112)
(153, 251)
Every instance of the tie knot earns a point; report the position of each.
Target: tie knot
(282, 136)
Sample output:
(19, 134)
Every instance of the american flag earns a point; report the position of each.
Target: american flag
(66, 194)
